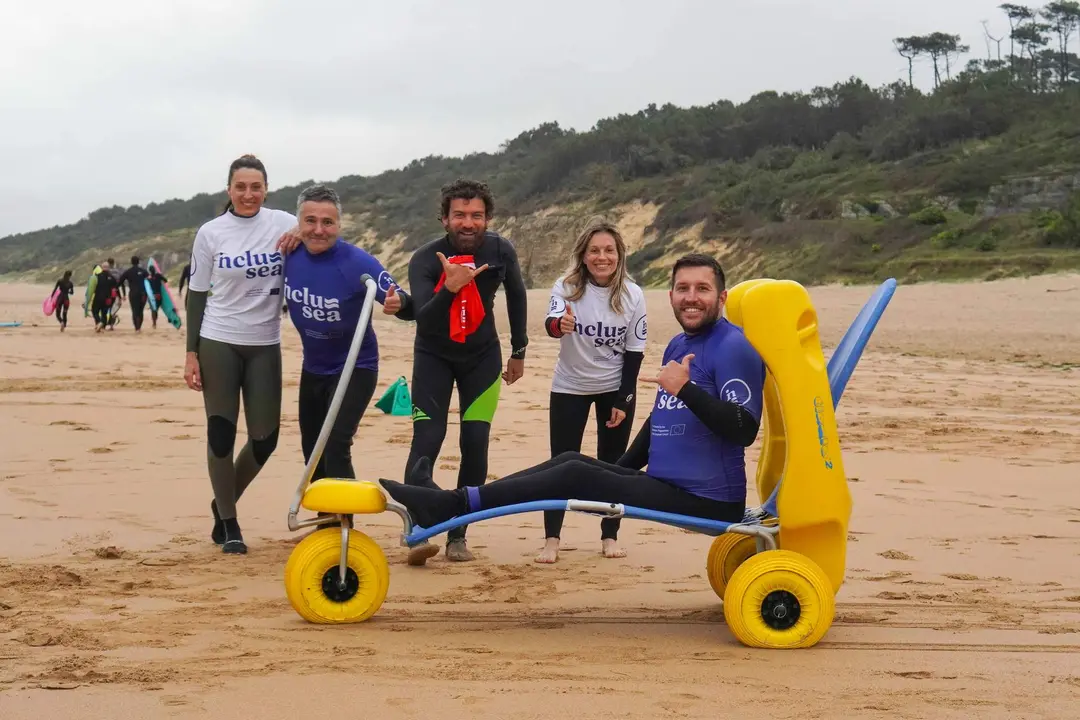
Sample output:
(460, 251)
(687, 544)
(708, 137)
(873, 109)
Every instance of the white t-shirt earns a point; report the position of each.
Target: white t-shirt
(235, 260)
(591, 358)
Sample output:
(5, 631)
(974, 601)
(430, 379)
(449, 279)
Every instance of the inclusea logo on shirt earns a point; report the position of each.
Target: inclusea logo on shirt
(312, 306)
(258, 265)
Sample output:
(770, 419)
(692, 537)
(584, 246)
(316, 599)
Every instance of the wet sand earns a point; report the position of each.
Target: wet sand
(961, 430)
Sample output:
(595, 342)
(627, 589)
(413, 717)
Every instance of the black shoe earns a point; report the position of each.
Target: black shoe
(234, 541)
(218, 533)
(421, 474)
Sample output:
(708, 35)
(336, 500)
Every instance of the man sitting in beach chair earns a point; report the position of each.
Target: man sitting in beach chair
(707, 411)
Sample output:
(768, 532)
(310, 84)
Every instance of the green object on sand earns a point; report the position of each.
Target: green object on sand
(396, 399)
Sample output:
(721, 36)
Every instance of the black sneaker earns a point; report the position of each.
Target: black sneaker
(234, 541)
(218, 533)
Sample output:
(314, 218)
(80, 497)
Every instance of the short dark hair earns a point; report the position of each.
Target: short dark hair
(462, 189)
(700, 260)
(134, 259)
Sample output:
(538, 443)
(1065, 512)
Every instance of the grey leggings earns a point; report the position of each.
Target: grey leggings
(229, 372)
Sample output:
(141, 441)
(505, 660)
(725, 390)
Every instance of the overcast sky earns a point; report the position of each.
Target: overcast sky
(127, 102)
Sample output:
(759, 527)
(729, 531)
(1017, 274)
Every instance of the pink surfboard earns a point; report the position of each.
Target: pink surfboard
(49, 305)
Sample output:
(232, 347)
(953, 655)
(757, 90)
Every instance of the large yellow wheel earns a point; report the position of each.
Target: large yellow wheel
(311, 578)
(779, 599)
(727, 553)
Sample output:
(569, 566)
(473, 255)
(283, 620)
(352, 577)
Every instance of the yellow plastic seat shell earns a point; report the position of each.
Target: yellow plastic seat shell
(344, 497)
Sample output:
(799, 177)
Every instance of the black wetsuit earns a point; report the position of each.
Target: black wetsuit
(185, 276)
(474, 365)
(104, 296)
(155, 287)
(66, 288)
(133, 277)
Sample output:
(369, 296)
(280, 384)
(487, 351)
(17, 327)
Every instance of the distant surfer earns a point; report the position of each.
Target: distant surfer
(105, 293)
(66, 288)
(156, 281)
(185, 277)
(133, 278)
(234, 337)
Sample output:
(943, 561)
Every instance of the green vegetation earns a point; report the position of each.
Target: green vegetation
(978, 177)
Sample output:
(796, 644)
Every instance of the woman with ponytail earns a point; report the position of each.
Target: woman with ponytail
(234, 338)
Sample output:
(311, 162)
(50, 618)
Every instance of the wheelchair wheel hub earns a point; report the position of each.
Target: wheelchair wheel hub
(332, 588)
(780, 610)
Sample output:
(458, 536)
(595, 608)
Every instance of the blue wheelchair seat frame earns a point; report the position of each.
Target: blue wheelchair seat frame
(841, 366)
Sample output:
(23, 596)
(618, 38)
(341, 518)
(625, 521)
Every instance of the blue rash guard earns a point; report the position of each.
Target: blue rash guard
(325, 295)
(682, 450)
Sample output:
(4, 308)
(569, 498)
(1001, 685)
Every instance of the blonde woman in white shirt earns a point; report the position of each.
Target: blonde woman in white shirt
(234, 338)
(598, 314)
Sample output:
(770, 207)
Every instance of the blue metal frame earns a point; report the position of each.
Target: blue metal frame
(841, 366)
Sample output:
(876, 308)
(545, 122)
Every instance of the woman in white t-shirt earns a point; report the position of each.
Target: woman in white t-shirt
(234, 337)
(598, 314)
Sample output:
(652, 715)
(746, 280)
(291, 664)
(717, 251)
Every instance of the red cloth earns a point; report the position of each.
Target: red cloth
(467, 309)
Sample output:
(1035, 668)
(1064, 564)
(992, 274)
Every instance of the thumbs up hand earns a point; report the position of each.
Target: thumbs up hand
(392, 303)
(674, 375)
(567, 323)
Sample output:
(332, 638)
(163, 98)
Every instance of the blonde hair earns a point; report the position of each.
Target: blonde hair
(577, 275)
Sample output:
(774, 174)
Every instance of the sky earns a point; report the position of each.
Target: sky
(123, 102)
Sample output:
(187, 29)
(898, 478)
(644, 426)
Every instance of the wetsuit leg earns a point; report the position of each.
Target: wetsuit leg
(138, 302)
(611, 443)
(571, 475)
(316, 395)
(312, 404)
(433, 384)
(337, 456)
(100, 312)
(478, 380)
(567, 417)
(62, 313)
(222, 370)
(262, 411)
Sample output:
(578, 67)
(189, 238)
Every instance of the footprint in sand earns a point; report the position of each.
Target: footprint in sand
(895, 555)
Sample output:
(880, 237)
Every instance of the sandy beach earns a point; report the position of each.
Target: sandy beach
(961, 430)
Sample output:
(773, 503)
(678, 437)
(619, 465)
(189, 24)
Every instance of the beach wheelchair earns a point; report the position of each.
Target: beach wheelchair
(777, 572)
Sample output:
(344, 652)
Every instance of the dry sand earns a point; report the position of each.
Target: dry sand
(962, 597)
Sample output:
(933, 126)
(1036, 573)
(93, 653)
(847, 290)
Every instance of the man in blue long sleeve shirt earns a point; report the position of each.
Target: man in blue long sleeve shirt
(324, 295)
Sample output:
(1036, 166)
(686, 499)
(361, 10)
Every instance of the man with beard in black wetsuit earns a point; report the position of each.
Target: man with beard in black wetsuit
(453, 281)
(133, 277)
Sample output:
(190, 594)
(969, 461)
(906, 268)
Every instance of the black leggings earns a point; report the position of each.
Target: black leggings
(138, 302)
(567, 417)
(62, 312)
(568, 476)
(316, 394)
(100, 311)
(478, 381)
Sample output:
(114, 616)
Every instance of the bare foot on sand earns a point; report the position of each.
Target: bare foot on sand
(550, 553)
(612, 549)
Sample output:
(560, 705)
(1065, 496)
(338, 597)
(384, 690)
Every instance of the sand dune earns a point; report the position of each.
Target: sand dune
(962, 436)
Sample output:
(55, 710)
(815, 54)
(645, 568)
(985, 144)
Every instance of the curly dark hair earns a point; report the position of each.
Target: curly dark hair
(462, 189)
